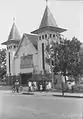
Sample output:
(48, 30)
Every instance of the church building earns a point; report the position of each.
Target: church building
(26, 55)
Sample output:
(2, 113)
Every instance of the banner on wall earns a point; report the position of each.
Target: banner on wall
(26, 61)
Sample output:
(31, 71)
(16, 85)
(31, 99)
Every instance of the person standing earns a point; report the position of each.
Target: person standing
(17, 86)
(62, 84)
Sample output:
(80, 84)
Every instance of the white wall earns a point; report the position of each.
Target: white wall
(45, 41)
(25, 48)
(12, 52)
(17, 66)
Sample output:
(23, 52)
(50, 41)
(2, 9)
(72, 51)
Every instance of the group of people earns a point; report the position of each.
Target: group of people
(32, 86)
(39, 86)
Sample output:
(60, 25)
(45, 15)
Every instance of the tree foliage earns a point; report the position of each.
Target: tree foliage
(65, 57)
(2, 63)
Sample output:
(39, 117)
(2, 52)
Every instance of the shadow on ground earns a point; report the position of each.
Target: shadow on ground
(67, 96)
(28, 93)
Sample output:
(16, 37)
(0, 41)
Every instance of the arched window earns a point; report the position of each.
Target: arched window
(45, 35)
(14, 46)
(50, 35)
(39, 37)
(42, 36)
(53, 35)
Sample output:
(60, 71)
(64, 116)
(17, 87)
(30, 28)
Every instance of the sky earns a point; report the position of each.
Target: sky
(28, 15)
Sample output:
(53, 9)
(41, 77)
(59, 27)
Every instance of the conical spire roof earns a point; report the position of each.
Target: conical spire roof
(48, 23)
(48, 19)
(14, 36)
(14, 33)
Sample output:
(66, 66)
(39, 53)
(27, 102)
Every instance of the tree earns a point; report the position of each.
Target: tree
(2, 63)
(65, 57)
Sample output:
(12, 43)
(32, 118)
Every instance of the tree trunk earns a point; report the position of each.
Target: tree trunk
(62, 84)
(62, 88)
(53, 78)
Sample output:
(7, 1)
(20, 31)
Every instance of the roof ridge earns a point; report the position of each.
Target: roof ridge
(31, 34)
(31, 40)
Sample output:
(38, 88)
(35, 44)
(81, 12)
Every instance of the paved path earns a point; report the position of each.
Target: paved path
(7, 89)
(39, 106)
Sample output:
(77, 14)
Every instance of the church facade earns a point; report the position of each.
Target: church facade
(26, 55)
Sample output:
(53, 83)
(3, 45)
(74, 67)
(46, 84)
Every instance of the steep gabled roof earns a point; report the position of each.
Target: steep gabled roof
(32, 38)
(48, 19)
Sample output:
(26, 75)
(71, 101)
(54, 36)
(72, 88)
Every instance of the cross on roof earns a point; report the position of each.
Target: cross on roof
(13, 19)
(46, 2)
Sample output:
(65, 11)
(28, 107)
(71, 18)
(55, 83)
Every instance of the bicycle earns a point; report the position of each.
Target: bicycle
(13, 89)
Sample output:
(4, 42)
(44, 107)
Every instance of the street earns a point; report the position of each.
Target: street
(16, 106)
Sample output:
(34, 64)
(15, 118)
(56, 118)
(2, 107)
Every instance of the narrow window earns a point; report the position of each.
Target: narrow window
(50, 35)
(9, 62)
(42, 36)
(14, 46)
(45, 35)
(39, 37)
(43, 62)
(53, 35)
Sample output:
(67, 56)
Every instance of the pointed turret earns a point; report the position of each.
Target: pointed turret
(48, 19)
(12, 45)
(47, 32)
(14, 33)
(48, 23)
(14, 36)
